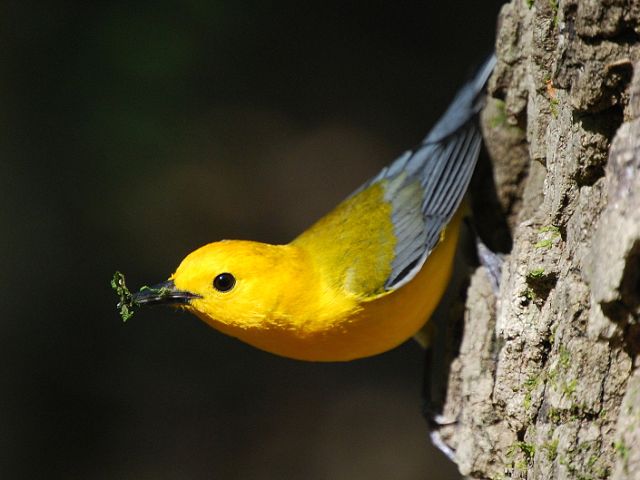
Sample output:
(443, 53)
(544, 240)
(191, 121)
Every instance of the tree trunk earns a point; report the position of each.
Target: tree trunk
(545, 383)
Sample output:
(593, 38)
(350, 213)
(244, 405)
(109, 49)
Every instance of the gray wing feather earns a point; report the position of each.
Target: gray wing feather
(425, 186)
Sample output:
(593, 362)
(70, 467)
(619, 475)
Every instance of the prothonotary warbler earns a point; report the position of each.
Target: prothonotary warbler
(361, 280)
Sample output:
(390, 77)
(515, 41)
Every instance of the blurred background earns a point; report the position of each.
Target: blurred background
(134, 132)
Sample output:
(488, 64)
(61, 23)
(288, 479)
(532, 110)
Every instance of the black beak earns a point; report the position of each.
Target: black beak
(164, 293)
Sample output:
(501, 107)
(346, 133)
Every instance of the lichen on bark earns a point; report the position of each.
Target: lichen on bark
(546, 383)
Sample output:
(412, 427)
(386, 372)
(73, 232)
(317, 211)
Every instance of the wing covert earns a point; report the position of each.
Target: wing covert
(436, 174)
(378, 238)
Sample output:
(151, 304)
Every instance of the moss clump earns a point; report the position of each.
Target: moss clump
(569, 388)
(126, 303)
(536, 273)
(528, 449)
(552, 233)
(553, 4)
(621, 449)
(550, 228)
(546, 243)
(500, 118)
(552, 449)
(564, 357)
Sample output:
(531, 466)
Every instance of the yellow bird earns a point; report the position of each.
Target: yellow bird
(364, 278)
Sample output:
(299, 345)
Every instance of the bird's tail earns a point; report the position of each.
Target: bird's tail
(466, 104)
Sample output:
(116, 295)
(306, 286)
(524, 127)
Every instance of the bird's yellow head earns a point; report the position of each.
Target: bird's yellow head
(242, 288)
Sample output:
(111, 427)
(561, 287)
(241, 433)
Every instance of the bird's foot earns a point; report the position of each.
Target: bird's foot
(492, 262)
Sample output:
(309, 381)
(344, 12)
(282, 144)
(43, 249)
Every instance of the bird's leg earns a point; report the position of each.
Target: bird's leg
(489, 259)
(492, 262)
(443, 333)
(432, 409)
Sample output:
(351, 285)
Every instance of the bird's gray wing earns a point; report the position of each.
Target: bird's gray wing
(425, 186)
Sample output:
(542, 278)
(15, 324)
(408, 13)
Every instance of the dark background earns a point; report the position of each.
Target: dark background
(132, 134)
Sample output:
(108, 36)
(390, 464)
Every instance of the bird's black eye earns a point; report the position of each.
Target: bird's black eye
(224, 282)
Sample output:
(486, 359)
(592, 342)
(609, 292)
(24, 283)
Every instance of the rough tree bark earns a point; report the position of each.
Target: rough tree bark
(546, 384)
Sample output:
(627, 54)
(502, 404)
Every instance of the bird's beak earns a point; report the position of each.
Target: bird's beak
(164, 293)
